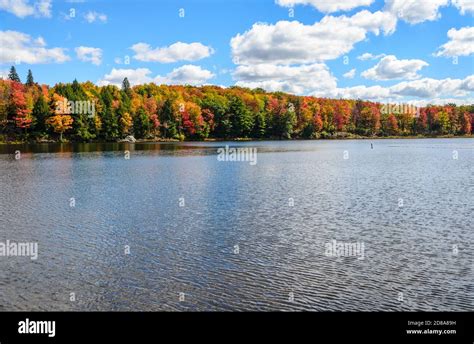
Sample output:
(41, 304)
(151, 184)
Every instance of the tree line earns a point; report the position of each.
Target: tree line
(33, 112)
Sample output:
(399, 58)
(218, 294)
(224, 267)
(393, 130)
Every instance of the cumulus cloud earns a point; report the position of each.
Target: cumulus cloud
(293, 42)
(135, 76)
(369, 56)
(326, 6)
(293, 79)
(415, 11)
(373, 21)
(468, 83)
(464, 6)
(390, 67)
(89, 54)
(178, 51)
(441, 101)
(350, 74)
(431, 88)
(23, 8)
(23, 48)
(93, 16)
(461, 43)
(187, 74)
(425, 89)
(374, 93)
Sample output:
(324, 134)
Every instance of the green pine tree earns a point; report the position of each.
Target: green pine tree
(126, 86)
(29, 79)
(241, 118)
(141, 124)
(167, 118)
(40, 114)
(13, 75)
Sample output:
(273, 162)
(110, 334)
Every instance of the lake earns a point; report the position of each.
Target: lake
(312, 225)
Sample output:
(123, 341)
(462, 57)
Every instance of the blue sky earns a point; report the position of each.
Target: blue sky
(422, 51)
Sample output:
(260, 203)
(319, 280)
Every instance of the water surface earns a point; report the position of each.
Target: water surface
(237, 243)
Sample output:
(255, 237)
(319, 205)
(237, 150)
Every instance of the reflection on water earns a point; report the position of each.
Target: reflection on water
(232, 236)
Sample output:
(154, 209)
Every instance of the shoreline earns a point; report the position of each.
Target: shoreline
(342, 138)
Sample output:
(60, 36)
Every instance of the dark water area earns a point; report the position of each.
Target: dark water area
(168, 226)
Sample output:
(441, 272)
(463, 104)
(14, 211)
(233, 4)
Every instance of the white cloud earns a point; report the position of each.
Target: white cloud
(350, 74)
(23, 8)
(390, 67)
(374, 93)
(23, 48)
(426, 90)
(89, 54)
(373, 21)
(461, 43)
(187, 74)
(293, 42)
(135, 76)
(93, 16)
(20, 8)
(468, 83)
(441, 101)
(178, 51)
(415, 11)
(464, 6)
(44, 8)
(293, 79)
(369, 56)
(432, 88)
(327, 6)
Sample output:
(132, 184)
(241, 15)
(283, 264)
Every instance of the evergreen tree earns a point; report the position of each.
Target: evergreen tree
(259, 126)
(288, 122)
(83, 124)
(13, 75)
(77, 92)
(141, 124)
(40, 114)
(241, 118)
(126, 86)
(109, 118)
(167, 119)
(218, 106)
(110, 125)
(29, 79)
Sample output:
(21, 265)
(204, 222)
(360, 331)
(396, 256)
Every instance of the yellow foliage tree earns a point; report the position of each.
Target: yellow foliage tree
(126, 123)
(60, 123)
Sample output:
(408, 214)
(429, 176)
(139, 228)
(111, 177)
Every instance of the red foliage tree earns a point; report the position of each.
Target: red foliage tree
(318, 123)
(392, 125)
(342, 115)
(465, 124)
(22, 115)
(422, 122)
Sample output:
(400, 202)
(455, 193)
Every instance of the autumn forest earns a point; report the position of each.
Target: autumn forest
(39, 113)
